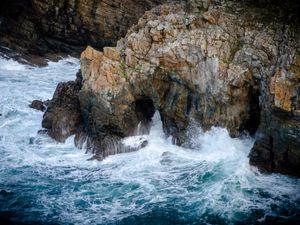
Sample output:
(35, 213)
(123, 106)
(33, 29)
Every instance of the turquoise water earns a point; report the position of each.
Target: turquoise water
(44, 182)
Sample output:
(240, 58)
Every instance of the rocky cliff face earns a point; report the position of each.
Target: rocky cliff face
(205, 62)
(41, 27)
(277, 147)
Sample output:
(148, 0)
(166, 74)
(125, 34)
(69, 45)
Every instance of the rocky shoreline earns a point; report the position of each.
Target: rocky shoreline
(199, 61)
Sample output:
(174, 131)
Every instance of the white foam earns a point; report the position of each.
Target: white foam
(211, 177)
(11, 65)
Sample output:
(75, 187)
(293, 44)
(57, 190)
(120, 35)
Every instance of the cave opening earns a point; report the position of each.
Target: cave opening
(144, 109)
(252, 123)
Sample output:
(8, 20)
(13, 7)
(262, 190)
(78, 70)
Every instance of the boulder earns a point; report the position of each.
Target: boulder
(63, 117)
(38, 105)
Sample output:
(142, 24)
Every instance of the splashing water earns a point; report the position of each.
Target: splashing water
(44, 182)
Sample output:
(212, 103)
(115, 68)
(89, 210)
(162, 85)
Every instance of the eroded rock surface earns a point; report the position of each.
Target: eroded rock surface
(214, 66)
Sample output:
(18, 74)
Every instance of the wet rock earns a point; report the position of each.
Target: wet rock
(43, 132)
(144, 144)
(31, 140)
(107, 107)
(63, 117)
(38, 105)
(103, 146)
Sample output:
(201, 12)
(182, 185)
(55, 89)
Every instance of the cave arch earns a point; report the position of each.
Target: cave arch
(144, 109)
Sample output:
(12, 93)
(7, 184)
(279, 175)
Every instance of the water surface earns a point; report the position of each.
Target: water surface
(45, 182)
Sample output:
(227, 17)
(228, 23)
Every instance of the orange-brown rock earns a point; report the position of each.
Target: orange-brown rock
(282, 89)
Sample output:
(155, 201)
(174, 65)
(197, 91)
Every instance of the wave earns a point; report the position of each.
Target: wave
(210, 182)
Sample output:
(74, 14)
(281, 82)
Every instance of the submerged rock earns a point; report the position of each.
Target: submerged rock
(43, 131)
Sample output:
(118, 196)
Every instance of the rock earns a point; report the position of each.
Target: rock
(210, 65)
(112, 144)
(63, 117)
(43, 132)
(277, 148)
(194, 61)
(144, 144)
(38, 105)
(112, 53)
(175, 68)
(66, 26)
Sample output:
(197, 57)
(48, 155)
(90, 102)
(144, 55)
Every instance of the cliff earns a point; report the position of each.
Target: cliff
(41, 28)
(198, 61)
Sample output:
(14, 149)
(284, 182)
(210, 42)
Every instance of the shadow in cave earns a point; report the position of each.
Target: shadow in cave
(252, 123)
(144, 109)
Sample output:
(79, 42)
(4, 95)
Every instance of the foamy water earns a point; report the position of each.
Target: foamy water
(44, 182)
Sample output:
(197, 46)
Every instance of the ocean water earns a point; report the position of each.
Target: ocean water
(45, 182)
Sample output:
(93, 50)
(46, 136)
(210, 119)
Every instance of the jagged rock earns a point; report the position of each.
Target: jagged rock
(38, 105)
(63, 117)
(177, 63)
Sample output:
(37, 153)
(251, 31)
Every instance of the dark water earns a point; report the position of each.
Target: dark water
(44, 182)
